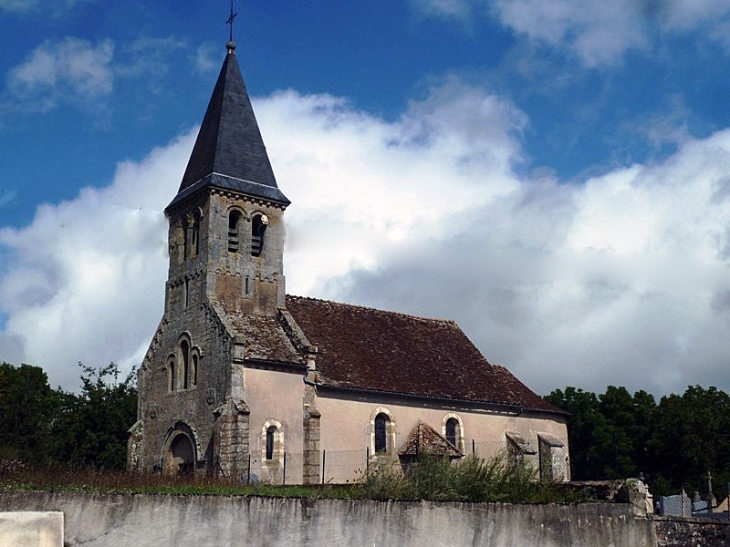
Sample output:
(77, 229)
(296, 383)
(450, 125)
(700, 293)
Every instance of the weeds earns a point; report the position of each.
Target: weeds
(429, 478)
(470, 480)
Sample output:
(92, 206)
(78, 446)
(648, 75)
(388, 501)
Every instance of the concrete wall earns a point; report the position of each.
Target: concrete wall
(217, 521)
(31, 529)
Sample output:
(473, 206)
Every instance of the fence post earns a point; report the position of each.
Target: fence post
(367, 469)
(283, 477)
(473, 447)
(324, 460)
(248, 473)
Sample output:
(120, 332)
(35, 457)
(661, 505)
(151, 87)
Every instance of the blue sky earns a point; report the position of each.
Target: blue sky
(552, 175)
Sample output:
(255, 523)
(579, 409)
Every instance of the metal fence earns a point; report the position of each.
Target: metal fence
(351, 466)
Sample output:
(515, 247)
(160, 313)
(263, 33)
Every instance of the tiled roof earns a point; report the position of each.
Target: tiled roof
(264, 338)
(423, 439)
(369, 349)
(229, 152)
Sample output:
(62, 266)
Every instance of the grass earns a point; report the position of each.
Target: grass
(430, 478)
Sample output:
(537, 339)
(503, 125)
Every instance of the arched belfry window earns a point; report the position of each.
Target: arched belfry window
(234, 225)
(258, 228)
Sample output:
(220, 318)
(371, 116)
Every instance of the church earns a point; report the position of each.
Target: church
(246, 381)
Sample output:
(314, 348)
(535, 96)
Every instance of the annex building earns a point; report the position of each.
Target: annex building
(244, 380)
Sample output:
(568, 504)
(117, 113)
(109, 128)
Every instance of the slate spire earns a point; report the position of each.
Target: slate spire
(229, 152)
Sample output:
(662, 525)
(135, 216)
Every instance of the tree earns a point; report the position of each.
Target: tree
(90, 429)
(608, 432)
(691, 437)
(25, 410)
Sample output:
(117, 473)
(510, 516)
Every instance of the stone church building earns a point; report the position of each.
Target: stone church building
(244, 380)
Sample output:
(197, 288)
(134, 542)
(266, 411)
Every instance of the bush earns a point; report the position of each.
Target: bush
(470, 480)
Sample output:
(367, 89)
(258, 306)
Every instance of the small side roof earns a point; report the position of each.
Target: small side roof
(382, 351)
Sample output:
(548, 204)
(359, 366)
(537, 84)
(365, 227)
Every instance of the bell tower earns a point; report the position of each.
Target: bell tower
(226, 234)
(225, 280)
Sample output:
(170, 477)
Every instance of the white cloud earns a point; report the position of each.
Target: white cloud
(207, 58)
(67, 69)
(85, 284)
(599, 32)
(620, 280)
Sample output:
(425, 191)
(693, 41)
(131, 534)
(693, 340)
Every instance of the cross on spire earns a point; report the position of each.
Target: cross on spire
(231, 17)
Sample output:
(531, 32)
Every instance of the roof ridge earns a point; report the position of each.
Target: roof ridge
(371, 308)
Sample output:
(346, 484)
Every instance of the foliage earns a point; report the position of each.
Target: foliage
(471, 480)
(92, 426)
(42, 425)
(25, 413)
(673, 443)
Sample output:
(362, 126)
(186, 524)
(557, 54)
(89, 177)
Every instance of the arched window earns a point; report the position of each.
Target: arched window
(452, 428)
(258, 227)
(270, 435)
(381, 433)
(234, 221)
(452, 431)
(171, 376)
(194, 376)
(185, 354)
(272, 446)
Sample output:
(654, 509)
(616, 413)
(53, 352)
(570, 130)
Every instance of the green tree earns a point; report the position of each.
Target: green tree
(691, 436)
(25, 413)
(608, 433)
(90, 429)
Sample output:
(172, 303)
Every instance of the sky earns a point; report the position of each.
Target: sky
(554, 176)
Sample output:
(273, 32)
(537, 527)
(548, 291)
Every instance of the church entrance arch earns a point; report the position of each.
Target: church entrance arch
(179, 453)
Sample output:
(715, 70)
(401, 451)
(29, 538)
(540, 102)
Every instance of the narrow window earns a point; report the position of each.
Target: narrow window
(247, 289)
(258, 227)
(185, 237)
(234, 219)
(381, 433)
(185, 351)
(195, 234)
(194, 380)
(186, 296)
(452, 431)
(270, 436)
(171, 378)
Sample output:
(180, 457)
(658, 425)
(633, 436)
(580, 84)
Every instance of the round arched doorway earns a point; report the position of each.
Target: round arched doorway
(180, 454)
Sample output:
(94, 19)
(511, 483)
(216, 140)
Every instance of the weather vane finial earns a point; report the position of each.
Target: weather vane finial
(231, 43)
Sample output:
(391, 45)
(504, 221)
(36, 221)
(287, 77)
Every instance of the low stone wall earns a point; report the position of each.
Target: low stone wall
(681, 532)
(219, 521)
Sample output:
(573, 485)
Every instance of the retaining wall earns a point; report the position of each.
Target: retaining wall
(220, 521)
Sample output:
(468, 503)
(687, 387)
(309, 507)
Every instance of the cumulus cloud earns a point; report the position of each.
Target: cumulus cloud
(598, 32)
(63, 70)
(619, 280)
(85, 281)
